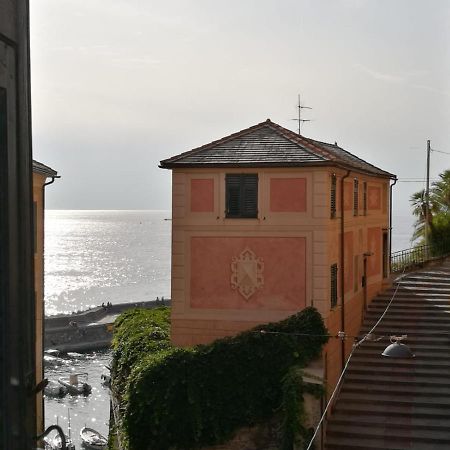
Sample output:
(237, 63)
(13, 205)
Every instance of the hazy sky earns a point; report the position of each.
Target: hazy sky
(118, 85)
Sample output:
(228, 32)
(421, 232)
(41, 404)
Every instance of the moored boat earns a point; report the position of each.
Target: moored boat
(55, 389)
(92, 439)
(76, 384)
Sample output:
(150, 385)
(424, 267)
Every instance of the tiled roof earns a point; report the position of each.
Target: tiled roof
(43, 169)
(270, 145)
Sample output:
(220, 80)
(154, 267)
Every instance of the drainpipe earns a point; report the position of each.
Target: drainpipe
(342, 271)
(390, 224)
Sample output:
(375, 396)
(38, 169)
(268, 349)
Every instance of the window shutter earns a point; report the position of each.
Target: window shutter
(250, 196)
(242, 195)
(355, 196)
(365, 198)
(333, 277)
(233, 184)
(333, 196)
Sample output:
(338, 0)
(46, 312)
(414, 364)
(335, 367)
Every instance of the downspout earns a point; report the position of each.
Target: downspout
(342, 271)
(390, 224)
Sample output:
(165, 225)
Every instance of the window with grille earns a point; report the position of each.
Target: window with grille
(334, 291)
(355, 196)
(365, 198)
(241, 195)
(333, 196)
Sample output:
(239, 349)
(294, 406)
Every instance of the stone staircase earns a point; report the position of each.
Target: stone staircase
(398, 404)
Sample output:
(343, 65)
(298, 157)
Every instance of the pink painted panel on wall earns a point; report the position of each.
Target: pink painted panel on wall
(348, 196)
(288, 194)
(374, 244)
(284, 273)
(374, 197)
(202, 195)
(348, 261)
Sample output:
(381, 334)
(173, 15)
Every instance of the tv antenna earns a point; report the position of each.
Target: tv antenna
(300, 120)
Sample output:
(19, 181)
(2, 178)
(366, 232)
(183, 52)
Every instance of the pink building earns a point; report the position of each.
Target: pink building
(266, 222)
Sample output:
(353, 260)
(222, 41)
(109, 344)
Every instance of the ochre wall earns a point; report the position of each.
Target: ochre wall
(289, 235)
(362, 241)
(295, 237)
(38, 200)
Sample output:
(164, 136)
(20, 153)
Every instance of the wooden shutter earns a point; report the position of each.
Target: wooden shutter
(333, 277)
(355, 196)
(241, 195)
(333, 196)
(233, 193)
(249, 196)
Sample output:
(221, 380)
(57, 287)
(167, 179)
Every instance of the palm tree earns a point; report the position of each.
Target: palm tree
(438, 213)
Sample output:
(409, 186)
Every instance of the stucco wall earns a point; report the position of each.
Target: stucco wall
(297, 240)
(38, 200)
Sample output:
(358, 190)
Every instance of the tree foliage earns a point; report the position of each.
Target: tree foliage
(438, 216)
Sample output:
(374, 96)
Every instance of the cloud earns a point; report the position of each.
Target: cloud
(390, 78)
(407, 78)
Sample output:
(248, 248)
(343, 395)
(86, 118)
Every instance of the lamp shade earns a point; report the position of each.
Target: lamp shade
(398, 350)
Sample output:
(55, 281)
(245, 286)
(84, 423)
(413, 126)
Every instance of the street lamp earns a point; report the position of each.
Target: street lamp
(398, 350)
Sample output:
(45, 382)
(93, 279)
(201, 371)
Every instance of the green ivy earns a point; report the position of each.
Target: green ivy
(187, 398)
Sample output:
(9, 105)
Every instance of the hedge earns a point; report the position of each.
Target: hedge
(187, 398)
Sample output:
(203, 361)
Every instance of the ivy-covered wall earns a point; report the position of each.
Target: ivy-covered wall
(188, 398)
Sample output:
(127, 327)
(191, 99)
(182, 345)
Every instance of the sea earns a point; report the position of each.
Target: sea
(95, 257)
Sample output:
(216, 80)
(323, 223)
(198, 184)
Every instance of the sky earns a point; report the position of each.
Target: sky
(118, 85)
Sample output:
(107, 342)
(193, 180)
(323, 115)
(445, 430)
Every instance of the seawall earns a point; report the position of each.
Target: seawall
(88, 330)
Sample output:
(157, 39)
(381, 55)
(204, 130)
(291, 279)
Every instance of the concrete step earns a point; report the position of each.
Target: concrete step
(413, 391)
(392, 410)
(399, 372)
(400, 422)
(421, 350)
(351, 443)
(382, 380)
(397, 400)
(410, 364)
(436, 316)
(420, 354)
(411, 310)
(401, 435)
(412, 331)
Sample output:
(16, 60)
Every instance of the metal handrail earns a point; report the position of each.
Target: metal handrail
(415, 256)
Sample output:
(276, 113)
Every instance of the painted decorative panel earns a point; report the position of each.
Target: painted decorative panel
(348, 261)
(202, 195)
(248, 273)
(374, 197)
(374, 244)
(288, 194)
(348, 196)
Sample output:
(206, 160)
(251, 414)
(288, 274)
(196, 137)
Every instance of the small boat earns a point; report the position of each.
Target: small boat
(75, 385)
(50, 360)
(55, 442)
(92, 439)
(55, 389)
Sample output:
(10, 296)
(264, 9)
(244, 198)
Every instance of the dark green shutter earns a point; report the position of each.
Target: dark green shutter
(333, 276)
(241, 196)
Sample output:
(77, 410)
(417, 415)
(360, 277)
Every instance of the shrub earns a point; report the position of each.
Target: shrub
(186, 398)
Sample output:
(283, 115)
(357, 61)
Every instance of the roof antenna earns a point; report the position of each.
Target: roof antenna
(300, 120)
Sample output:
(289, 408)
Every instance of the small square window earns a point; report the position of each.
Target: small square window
(241, 195)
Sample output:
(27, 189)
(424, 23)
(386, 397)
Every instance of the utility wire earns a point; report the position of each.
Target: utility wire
(440, 151)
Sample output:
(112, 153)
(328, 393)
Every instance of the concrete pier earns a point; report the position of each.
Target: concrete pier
(88, 330)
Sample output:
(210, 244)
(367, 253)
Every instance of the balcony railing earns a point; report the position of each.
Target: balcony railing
(412, 257)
